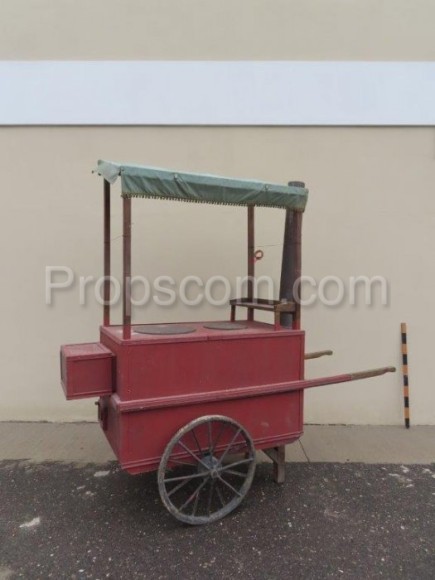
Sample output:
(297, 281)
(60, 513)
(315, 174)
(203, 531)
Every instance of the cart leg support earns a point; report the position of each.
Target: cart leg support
(277, 455)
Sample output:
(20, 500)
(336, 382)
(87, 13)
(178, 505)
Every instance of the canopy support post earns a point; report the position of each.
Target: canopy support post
(251, 258)
(126, 266)
(297, 261)
(106, 288)
(286, 283)
(291, 269)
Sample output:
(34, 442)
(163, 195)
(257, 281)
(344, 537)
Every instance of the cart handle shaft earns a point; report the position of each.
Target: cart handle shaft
(241, 392)
(371, 373)
(318, 354)
(346, 378)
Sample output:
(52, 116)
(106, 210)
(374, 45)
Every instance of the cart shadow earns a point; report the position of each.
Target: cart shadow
(132, 502)
(141, 501)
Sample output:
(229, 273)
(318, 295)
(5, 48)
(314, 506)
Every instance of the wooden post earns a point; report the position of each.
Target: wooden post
(251, 258)
(277, 455)
(291, 268)
(285, 289)
(297, 268)
(106, 287)
(279, 465)
(126, 275)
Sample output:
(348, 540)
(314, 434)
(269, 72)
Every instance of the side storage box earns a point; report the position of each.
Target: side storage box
(86, 370)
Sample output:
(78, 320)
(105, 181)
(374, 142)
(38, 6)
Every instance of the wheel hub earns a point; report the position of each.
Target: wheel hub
(209, 465)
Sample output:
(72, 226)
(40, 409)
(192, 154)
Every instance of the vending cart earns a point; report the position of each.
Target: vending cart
(194, 401)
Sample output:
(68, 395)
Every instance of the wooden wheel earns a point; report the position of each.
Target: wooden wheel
(206, 469)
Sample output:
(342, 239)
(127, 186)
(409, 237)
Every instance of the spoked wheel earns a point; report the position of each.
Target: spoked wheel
(206, 469)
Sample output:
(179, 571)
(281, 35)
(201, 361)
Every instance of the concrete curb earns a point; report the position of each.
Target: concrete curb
(84, 443)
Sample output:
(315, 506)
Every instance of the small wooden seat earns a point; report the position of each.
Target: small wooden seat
(275, 306)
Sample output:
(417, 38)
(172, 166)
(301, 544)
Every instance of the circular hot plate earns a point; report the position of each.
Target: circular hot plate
(164, 329)
(225, 326)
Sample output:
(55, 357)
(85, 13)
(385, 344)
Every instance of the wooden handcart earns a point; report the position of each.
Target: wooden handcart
(195, 401)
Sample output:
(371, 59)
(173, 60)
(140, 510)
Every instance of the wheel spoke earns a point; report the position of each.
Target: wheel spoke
(233, 472)
(181, 462)
(210, 444)
(233, 489)
(217, 438)
(182, 477)
(219, 494)
(229, 446)
(198, 459)
(210, 496)
(197, 443)
(192, 497)
(235, 464)
(177, 487)
(195, 504)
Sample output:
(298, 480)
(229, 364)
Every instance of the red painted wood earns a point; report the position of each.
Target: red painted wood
(160, 383)
(86, 370)
(159, 370)
(207, 363)
(139, 439)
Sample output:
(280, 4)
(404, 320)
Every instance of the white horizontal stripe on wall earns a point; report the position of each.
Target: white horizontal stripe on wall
(216, 93)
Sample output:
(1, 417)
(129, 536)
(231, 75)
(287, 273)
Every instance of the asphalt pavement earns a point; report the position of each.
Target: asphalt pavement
(328, 520)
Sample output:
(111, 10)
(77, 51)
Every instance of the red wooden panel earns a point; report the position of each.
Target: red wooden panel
(170, 368)
(139, 438)
(153, 368)
(86, 370)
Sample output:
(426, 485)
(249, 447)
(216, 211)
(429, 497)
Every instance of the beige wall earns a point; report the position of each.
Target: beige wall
(371, 211)
(207, 29)
(371, 208)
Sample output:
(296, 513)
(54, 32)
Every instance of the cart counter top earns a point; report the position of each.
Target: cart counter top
(195, 331)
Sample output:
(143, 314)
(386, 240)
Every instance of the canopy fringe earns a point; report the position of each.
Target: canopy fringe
(204, 201)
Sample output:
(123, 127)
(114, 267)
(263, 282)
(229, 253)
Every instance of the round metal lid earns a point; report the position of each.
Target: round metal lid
(164, 329)
(225, 326)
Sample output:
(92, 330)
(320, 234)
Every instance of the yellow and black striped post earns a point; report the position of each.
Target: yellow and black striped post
(405, 373)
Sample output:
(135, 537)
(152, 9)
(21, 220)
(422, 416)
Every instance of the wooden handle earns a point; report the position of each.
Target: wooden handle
(318, 354)
(372, 373)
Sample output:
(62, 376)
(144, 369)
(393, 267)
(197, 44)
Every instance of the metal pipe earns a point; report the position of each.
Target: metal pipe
(251, 258)
(126, 267)
(106, 287)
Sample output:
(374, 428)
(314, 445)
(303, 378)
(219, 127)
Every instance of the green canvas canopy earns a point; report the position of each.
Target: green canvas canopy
(139, 181)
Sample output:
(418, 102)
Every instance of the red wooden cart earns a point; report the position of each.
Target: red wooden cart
(194, 401)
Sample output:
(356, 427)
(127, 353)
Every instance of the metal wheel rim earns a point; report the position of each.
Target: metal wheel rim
(207, 464)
